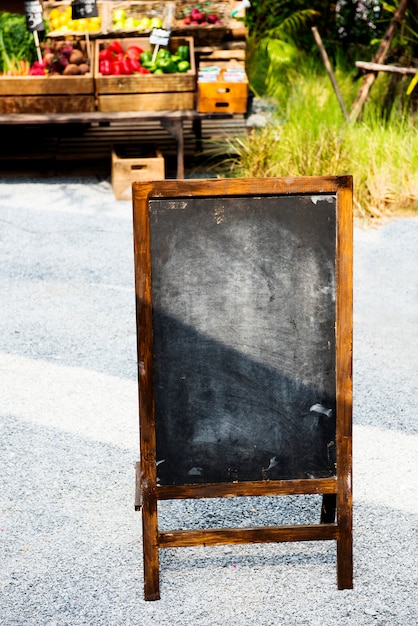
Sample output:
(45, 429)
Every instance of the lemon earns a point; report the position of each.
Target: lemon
(93, 28)
(54, 14)
(63, 19)
(55, 23)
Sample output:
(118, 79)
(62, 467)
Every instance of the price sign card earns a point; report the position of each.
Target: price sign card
(81, 9)
(34, 16)
(159, 37)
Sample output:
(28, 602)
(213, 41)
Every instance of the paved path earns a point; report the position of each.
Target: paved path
(70, 545)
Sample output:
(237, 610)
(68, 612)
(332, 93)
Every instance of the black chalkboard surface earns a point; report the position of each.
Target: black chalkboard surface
(244, 325)
(244, 299)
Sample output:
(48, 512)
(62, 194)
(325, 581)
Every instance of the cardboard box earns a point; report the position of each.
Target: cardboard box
(146, 92)
(127, 169)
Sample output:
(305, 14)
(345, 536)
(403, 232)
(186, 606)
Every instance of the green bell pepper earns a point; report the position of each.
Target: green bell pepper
(145, 57)
(183, 66)
(183, 52)
(167, 66)
(163, 53)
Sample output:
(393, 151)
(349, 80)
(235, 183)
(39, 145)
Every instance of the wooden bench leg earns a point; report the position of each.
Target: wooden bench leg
(197, 130)
(175, 128)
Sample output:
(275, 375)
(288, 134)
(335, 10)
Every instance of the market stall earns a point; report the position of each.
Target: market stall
(142, 58)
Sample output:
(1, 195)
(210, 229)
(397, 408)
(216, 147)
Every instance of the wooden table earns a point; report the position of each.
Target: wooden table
(172, 121)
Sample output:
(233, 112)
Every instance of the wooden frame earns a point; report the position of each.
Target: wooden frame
(336, 515)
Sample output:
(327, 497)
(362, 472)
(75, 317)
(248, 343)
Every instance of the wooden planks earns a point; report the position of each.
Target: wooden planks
(175, 100)
(47, 94)
(84, 141)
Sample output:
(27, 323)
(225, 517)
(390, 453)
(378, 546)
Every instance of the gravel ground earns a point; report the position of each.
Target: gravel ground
(70, 538)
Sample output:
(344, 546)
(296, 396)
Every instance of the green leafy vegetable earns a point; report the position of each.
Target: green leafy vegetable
(16, 42)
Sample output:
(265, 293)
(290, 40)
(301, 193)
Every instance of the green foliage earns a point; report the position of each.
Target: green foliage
(310, 137)
(271, 44)
(267, 60)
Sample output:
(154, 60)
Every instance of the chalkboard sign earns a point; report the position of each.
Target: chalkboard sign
(244, 350)
(34, 16)
(81, 9)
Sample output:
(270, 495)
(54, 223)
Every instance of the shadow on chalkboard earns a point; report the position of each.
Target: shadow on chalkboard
(222, 416)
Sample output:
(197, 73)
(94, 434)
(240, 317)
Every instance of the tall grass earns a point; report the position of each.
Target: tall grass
(309, 137)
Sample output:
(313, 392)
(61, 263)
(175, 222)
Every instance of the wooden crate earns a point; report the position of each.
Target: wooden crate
(162, 9)
(210, 34)
(223, 96)
(127, 169)
(146, 92)
(53, 93)
(47, 94)
(77, 27)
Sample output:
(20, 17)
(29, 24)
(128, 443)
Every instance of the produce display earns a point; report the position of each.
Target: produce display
(62, 57)
(61, 23)
(106, 74)
(136, 21)
(17, 46)
(196, 16)
(116, 59)
(200, 15)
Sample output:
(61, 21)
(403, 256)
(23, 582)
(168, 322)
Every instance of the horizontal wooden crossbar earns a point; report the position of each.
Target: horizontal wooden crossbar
(257, 488)
(221, 536)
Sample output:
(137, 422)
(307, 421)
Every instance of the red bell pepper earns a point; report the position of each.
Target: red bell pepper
(134, 52)
(117, 68)
(105, 54)
(105, 67)
(115, 47)
(135, 65)
(126, 66)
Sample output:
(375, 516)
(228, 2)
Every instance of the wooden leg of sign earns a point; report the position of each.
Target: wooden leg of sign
(328, 509)
(345, 559)
(150, 546)
(345, 534)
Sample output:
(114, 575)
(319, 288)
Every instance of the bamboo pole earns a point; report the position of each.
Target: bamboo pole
(378, 67)
(379, 57)
(328, 67)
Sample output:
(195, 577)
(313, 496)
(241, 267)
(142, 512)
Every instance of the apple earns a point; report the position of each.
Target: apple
(156, 22)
